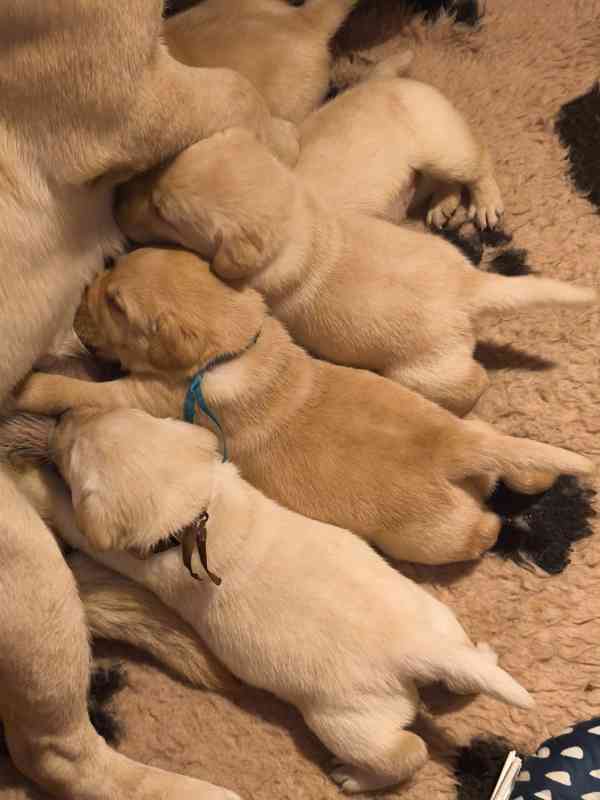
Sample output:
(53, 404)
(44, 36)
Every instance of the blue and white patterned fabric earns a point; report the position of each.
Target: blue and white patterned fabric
(566, 767)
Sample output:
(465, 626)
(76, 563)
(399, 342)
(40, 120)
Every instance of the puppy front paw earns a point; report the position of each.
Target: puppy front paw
(444, 203)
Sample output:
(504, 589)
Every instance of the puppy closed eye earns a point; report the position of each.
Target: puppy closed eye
(114, 300)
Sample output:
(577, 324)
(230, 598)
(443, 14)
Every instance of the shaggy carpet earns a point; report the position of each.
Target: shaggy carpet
(511, 77)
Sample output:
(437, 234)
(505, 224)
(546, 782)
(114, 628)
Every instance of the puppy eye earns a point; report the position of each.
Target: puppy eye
(114, 304)
(115, 301)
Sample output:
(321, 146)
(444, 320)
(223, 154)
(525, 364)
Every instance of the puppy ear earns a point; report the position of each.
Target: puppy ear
(90, 513)
(238, 253)
(172, 345)
(123, 307)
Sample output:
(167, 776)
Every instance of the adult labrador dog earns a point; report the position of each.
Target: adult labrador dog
(89, 97)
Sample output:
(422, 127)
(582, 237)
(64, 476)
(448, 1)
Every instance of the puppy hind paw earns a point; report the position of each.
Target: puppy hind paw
(444, 204)
(487, 208)
(354, 780)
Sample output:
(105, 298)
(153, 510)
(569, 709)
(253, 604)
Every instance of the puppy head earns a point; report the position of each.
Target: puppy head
(162, 310)
(226, 197)
(134, 479)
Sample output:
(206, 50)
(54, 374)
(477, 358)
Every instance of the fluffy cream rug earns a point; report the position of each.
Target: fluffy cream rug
(510, 78)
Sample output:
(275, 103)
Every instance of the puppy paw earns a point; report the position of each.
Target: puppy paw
(444, 203)
(353, 780)
(487, 208)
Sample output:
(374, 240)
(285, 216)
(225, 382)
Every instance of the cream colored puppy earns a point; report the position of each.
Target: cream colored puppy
(353, 290)
(283, 50)
(136, 480)
(374, 144)
(340, 445)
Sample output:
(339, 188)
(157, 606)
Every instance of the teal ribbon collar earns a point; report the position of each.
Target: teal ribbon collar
(194, 398)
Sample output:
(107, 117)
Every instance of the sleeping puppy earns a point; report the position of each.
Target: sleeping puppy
(353, 290)
(283, 50)
(340, 445)
(137, 482)
(373, 145)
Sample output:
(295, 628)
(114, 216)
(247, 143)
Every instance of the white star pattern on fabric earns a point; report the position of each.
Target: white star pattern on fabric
(564, 767)
(560, 777)
(572, 752)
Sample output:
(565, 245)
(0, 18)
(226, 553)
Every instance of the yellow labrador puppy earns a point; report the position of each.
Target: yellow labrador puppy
(138, 482)
(368, 149)
(89, 97)
(281, 48)
(353, 290)
(340, 445)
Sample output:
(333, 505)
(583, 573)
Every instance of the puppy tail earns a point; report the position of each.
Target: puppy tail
(498, 293)
(525, 465)
(117, 608)
(466, 669)
(327, 15)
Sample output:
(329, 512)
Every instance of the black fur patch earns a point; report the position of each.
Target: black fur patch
(472, 242)
(469, 244)
(495, 238)
(510, 262)
(578, 127)
(541, 529)
(477, 767)
(105, 683)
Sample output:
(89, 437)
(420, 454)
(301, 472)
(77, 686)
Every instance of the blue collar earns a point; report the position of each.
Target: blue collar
(195, 399)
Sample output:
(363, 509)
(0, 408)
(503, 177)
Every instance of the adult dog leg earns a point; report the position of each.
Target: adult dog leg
(180, 105)
(44, 667)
